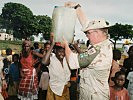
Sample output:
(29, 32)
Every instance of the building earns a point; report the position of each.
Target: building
(5, 36)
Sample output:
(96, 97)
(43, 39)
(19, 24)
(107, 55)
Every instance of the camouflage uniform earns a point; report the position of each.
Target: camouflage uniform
(94, 77)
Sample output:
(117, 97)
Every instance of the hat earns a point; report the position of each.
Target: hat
(57, 44)
(95, 24)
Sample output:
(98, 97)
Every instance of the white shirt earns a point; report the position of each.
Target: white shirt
(44, 80)
(59, 75)
(130, 84)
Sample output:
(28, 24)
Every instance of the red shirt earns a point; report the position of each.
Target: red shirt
(118, 94)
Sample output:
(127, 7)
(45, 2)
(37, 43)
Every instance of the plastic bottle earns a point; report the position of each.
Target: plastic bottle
(63, 23)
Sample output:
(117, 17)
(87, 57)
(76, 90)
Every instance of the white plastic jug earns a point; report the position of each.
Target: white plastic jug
(63, 23)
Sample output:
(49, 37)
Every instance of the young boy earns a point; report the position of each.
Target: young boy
(14, 75)
(118, 92)
(59, 74)
(115, 65)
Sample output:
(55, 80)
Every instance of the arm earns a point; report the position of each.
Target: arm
(37, 54)
(67, 49)
(81, 16)
(46, 57)
(77, 48)
(80, 13)
(4, 84)
(71, 58)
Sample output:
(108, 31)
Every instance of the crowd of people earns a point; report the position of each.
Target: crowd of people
(60, 71)
(50, 74)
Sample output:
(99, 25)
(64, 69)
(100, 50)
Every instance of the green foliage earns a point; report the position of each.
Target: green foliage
(14, 45)
(41, 39)
(42, 24)
(32, 38)
(1, 20)
(17, 18)
(119, 31)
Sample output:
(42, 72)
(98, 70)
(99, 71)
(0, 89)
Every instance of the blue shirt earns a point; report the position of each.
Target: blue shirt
(14, 72)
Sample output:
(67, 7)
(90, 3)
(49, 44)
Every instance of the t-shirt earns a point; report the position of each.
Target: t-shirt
(118, 95)
(14, 72)
(130, 84)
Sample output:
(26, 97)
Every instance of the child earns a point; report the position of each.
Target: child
(7, 62)
(43, 76)
(14, 76)
(59, 74)
(118, 92)
(130, 84)
(115, 65)
(128, 63)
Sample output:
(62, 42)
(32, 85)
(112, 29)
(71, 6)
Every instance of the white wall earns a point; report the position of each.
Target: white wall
(5, 36)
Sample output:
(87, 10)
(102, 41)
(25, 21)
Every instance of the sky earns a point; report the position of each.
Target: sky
(114, 11)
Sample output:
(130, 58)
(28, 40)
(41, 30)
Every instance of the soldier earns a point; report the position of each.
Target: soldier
(96, 62)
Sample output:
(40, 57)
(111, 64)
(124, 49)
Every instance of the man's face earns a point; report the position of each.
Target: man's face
(91, 35)
(60, 53)
(47, 47)
(95, 36)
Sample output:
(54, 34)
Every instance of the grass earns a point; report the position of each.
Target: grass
(14, 45)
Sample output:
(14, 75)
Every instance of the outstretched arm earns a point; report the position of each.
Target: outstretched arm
(72, 58)
(82, 17)
(37, 54)
(77, 48)
(46, 57)
(67, 49)
(80, 13)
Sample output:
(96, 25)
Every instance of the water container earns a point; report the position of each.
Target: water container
(63, 23)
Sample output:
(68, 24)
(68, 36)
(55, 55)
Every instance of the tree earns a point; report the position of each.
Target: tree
(32, 38)
(119, 31)
(17, 18)
(42, 24)
(41, 39)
